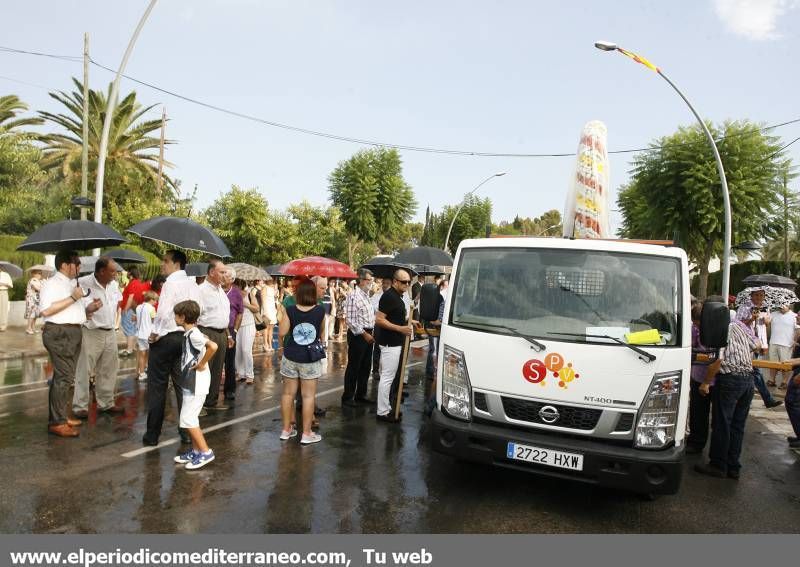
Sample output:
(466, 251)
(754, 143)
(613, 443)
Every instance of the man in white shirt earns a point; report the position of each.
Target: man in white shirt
(215, 313)
(99, 342)
(64, 309)
(166, 344)
(5, 286)
(781, 342)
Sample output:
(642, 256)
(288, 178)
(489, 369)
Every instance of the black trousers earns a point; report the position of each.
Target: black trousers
(230, 369)
(163, 363)
(63, 344)
(216, 363)
(699, 414)
(359, 361)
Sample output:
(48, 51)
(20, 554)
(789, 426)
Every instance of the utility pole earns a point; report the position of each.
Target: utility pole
(85, 153)
(160, 180)
(786, 268)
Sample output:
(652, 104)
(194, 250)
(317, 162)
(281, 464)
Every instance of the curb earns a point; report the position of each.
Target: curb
(34, 353)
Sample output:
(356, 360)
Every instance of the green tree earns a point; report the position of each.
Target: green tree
(10, 108)
(241, 218)
(320, 231)
(372, 196)
(471, 222)
(23, 206)
(675, 192)
(132, 159)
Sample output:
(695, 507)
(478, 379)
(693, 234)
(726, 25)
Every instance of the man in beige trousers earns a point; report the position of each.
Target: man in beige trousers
(99, 342)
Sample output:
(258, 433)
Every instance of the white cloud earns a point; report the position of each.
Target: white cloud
(757, 20)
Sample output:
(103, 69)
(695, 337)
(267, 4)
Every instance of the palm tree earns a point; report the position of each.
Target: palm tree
(10, 106)
(132, 158)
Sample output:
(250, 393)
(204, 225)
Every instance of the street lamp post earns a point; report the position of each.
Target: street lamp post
(726, 268)
(540, 233)
(112, 101)
(464, 202)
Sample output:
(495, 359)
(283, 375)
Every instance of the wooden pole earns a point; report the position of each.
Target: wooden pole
(403, 362)
(85, 151)
(160, 180)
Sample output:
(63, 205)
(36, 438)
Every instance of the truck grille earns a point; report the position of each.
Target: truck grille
(569, 416)
(480, 401)
(625, 422)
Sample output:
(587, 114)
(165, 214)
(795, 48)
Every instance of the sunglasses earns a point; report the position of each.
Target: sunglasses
(405, 282)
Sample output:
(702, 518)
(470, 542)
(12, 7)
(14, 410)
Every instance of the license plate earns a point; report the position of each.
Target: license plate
(542, 456)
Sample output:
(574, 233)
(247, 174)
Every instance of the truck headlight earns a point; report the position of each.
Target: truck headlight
(456, 397)
(659, 412)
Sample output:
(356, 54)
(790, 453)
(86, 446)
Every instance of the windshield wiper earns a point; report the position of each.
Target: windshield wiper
(643, 354)
(539, 346)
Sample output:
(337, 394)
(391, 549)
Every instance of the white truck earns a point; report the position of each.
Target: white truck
(567, 358)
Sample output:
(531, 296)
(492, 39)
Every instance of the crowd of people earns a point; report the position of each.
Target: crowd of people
(199, 335)
(724, 389)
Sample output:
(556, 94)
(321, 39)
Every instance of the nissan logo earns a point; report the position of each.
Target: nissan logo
(549, 414)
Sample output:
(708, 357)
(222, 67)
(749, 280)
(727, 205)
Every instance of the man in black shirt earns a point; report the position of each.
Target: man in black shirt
(392, 318)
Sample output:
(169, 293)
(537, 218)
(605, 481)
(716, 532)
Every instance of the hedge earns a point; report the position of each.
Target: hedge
(742, 270)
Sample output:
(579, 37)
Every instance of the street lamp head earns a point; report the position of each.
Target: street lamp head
(500, 173)
(605, 46)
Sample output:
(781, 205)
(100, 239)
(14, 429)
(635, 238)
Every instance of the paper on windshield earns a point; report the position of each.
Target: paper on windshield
(614, 332)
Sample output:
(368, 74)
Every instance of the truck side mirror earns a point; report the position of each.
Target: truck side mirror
(714, 321)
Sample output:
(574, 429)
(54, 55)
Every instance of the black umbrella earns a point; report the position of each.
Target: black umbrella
(274, 270)
(385, 266)
(769, 279)
(424, 255)
(88, 263)
(197, 269)
(125, 256)
(71, 234)
(182, 233)
(424, 270)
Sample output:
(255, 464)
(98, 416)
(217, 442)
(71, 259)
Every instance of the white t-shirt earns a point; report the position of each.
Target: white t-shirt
(198, 340)
(145, 314)
(783, 325)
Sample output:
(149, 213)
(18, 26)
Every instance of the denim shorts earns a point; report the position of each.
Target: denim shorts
(301, 370)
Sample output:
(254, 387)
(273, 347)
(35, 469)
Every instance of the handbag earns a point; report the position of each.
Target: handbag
(316, 351)
(258, 317)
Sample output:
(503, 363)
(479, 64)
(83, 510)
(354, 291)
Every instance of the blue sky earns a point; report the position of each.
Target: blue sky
(501, 76)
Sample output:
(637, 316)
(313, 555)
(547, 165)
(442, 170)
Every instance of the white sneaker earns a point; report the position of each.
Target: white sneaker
(142, 376)
(309, 439)
(200, 460)
(286, 435)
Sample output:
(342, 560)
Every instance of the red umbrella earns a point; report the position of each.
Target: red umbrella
(318, 266)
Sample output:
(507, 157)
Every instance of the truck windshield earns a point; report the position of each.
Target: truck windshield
(569, 295)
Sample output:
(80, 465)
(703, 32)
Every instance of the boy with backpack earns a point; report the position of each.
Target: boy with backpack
(198, 349)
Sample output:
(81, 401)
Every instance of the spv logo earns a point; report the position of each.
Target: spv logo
(536, 371)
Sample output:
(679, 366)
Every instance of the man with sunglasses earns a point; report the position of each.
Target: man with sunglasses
(392, 318)
(64, 310)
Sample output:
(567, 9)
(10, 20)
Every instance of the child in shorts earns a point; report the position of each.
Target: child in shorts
(145, 314)
(195, 380)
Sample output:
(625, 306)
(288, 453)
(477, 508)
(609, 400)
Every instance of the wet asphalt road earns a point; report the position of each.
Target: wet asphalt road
(364, 477)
